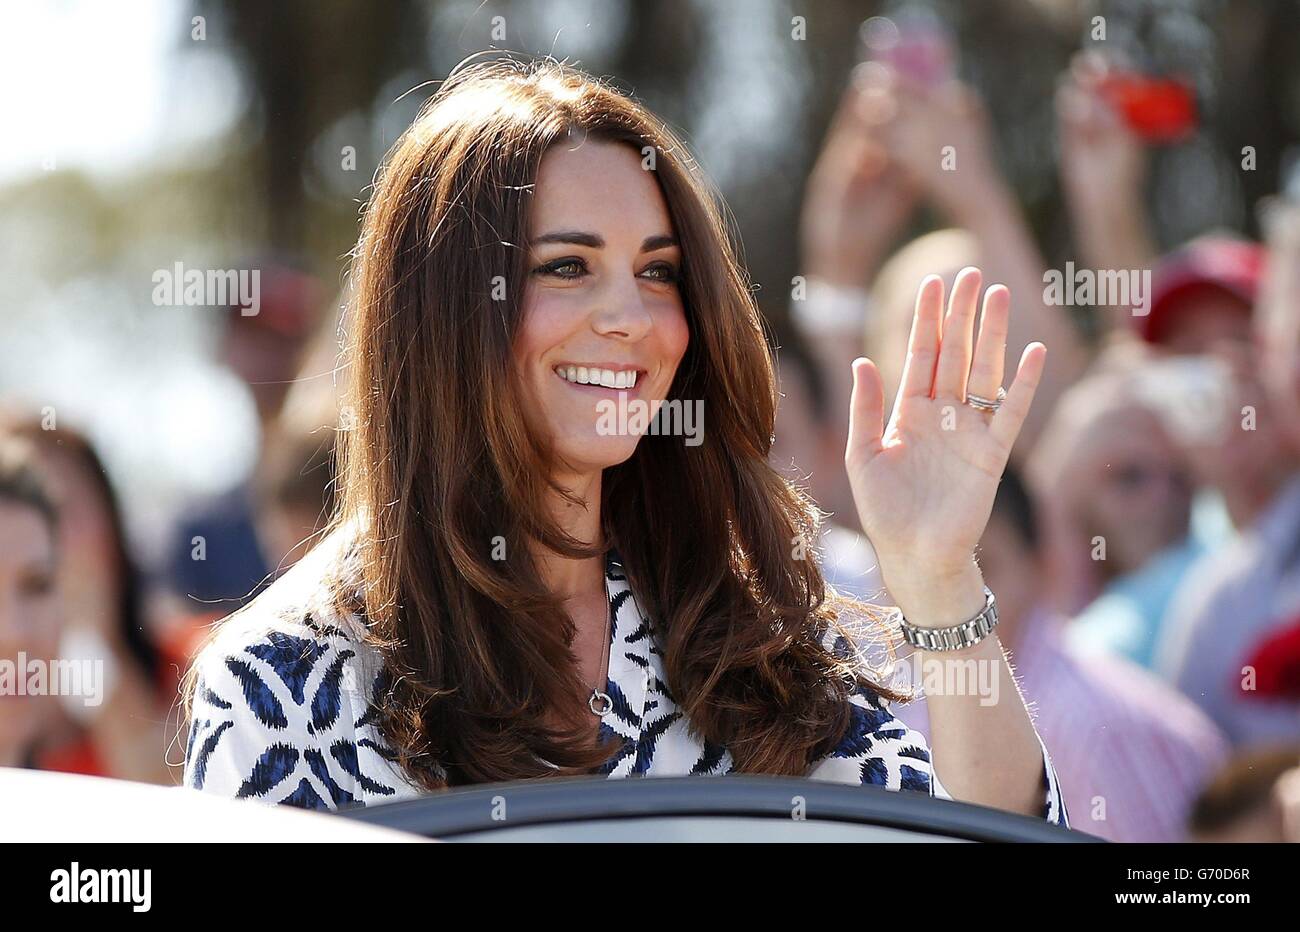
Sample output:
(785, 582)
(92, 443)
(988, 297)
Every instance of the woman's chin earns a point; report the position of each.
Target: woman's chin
(594, 452)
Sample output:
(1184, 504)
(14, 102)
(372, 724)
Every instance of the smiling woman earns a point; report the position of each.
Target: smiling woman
(509, 590)
(605, 316)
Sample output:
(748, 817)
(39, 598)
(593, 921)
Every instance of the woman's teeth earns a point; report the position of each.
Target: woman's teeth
(582, 375)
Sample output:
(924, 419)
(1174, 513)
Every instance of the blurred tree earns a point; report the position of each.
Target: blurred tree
(310, 63)
(1258, 94)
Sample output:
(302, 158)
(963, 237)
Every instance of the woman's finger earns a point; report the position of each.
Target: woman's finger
(991, 345)
(866, 413)
(955, 352)
(1009, 418)
(923, 344)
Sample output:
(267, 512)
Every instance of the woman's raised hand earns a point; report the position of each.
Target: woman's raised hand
(924, 484)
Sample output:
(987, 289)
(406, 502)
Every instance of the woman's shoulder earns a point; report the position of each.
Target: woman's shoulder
(300, 605)
(283, 707)
(263, 647)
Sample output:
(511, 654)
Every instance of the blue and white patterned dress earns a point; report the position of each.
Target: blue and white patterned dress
(283, 712)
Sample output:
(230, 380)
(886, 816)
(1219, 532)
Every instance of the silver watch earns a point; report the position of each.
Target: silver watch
(967, 634)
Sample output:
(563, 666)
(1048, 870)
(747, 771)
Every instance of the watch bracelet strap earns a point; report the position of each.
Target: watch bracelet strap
(967, 634)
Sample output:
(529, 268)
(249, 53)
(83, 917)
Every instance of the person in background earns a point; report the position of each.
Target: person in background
(1232, 639)
(1252, 799)
(296, 477)
(1199, 326)
(1131, 752)
(1201, 293)
(1194, 363)
(869, 177)
(102, 595)
(804, 452)
(1103, 169)
(297, 487)
(216, 560)
(31, 616)
(1212, 412)
(1116, 492)
(1198, 311)
(880, 161)
(1202, 296)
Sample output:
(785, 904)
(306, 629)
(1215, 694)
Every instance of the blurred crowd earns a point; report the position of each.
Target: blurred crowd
(1144, 545)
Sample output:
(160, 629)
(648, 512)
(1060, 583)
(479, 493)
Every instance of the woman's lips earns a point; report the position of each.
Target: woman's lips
(604, 390)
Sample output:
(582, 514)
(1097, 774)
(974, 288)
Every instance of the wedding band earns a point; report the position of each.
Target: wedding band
(986, 404)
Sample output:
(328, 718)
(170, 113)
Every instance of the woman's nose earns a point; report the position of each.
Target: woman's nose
(622, 312)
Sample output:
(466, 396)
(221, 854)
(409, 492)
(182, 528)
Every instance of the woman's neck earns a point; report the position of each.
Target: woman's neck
(567, 577)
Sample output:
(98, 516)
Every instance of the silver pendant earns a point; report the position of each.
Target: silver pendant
(606, 703)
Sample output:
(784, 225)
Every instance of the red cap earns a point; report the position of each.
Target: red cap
(1207, 264)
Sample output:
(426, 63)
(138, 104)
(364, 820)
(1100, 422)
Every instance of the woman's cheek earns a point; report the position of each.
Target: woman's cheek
(677, 334)
(543, 327)
(532, 321)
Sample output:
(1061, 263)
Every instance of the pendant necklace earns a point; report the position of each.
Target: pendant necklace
(599, 702)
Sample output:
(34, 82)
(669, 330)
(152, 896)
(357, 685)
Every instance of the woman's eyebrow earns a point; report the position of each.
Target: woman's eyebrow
(593, 240)
(596, 241)
(662, 241)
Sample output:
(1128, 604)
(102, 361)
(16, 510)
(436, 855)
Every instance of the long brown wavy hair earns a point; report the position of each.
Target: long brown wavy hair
(438, 465)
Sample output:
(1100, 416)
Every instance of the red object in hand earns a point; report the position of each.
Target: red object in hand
(1276, 661)
(1156, 109)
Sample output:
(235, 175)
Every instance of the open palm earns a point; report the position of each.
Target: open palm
(924, 485)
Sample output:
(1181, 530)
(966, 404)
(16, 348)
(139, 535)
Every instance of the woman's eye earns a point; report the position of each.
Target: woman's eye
(662, 271)
(562, 268)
